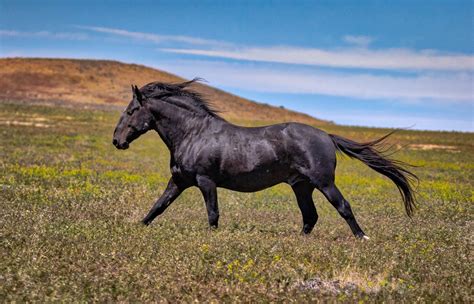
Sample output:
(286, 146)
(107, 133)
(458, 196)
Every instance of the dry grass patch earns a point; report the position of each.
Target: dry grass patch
(427, 147)
(24, 123)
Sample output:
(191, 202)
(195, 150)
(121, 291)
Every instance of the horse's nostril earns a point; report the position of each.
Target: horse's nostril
(114, 142)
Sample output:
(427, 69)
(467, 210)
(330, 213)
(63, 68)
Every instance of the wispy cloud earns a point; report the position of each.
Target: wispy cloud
(155, 38)
(385, 59)
(391, 120)
(452, 88)
(358, 57)
(44, 34)
(360, 41)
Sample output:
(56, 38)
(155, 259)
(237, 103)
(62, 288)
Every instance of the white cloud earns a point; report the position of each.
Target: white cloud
(386, 59)
(155, 38)
(391, 120)
(444, 88)
(361, 41)
(360, 57)
(44, 34)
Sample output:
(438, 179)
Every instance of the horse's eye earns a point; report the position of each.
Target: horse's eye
(133, 127)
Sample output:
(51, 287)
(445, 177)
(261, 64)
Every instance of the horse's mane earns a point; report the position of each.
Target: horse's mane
(163, 90)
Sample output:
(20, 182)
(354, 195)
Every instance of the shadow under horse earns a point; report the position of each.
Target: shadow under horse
(209, 152)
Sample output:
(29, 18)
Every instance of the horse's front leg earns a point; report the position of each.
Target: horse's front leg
(209, 191)
(172, 191)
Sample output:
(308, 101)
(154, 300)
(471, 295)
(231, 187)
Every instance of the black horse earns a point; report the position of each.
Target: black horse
(209, 152)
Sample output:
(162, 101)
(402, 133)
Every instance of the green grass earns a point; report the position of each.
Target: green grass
(71, 206)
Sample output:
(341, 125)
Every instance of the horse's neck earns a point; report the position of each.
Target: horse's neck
(174, 124)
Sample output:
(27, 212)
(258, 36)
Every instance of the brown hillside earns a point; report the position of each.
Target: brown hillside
(102, 82)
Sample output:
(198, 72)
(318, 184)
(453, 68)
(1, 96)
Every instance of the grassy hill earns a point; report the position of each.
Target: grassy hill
(108, 82)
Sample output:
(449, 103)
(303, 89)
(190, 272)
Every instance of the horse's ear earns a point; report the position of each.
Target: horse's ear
(137, 94)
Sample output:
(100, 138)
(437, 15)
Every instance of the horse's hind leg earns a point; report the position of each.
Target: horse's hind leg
(303, 192)
(337, 200)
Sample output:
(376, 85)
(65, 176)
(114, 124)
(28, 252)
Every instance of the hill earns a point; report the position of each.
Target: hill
(108, 82)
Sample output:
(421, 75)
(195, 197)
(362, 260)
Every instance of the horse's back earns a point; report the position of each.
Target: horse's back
(288, 141)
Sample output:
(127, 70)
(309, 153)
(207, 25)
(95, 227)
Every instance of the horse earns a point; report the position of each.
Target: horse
(209, 152)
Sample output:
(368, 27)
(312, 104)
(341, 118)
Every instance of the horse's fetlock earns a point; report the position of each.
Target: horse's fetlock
(307, 230)
(213, 219)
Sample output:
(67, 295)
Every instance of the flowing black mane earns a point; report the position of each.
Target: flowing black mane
(195, 101)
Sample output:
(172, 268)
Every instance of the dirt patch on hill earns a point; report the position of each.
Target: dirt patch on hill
(24, 123)
(426, 147)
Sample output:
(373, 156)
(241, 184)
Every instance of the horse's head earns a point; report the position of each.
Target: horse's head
(135, 121)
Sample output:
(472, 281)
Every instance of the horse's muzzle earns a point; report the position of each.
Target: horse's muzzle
(121, 146)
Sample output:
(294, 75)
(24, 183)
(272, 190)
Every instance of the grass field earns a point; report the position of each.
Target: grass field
(71, 206)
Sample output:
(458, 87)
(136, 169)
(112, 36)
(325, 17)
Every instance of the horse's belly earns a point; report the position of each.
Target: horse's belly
(254, 181)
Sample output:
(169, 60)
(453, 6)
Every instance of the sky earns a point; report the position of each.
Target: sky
(395, 64)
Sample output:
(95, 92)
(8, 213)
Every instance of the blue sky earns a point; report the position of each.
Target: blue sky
(370, 63)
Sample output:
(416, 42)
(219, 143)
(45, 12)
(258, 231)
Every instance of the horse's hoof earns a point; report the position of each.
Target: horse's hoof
(362, 236)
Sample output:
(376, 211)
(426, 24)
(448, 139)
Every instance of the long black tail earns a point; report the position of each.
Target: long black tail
(373, 154)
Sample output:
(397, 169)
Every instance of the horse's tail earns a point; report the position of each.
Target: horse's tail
(374, 155)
